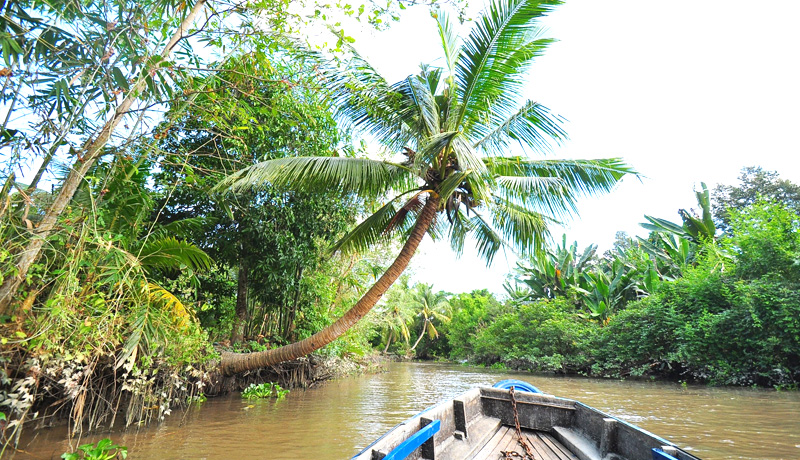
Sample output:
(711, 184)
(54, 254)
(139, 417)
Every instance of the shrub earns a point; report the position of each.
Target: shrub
(639, 340)
(544, 335)
(264, 390)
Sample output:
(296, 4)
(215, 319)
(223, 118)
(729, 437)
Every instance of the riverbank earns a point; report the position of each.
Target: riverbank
(96, 397)
(673, 334)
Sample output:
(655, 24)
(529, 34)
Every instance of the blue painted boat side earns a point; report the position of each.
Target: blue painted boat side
(659, 454)
(412, 443)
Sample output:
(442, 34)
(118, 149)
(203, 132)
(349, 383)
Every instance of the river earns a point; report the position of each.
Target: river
(336, 420)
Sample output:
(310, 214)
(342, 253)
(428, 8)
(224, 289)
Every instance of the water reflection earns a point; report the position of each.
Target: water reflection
(342, 417)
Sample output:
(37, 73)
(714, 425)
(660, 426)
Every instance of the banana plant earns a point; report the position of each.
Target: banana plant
(671, 254)
(697, 229)
(555, 272)
(604, 292)
(672, 246)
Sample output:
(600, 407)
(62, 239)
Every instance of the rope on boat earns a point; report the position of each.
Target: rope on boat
(510, 454)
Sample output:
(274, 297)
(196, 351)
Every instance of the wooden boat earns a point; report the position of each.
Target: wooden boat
(514, 420)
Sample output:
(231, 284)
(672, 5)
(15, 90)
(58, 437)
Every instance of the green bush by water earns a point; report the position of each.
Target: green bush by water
(264, 390)
(104, 450)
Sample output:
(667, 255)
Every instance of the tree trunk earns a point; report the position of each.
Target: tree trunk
(232, 363)
(292, 314)
(421, 334)
(388, 342)
(237, 335)
(35, 181)
(92, 150)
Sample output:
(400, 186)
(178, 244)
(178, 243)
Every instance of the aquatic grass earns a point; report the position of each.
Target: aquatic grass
(264, 390)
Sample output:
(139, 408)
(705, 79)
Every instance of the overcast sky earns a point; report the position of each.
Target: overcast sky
(685, 92)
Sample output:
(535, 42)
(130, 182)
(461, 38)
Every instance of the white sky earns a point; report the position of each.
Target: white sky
(683, 91)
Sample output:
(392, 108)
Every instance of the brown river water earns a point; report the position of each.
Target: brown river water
(338, 419)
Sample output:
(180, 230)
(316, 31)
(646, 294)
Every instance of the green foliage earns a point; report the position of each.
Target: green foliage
(125, 277)
(731, 317)
(429, 306)
(264, 390)
(714, 324)
(698, 229)
(472, 313)
(755, 185)
(105, 449)
(766, 238)
(598, 287)
(543, 335)
(454, 126)
(270, 241)
(641, 339)
(394, 315)
(556, 272)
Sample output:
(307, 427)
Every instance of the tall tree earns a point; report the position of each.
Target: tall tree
(459, 178)
(85, 80)
(431, 306)
(59, 52)
(270, 237)
(754, 184)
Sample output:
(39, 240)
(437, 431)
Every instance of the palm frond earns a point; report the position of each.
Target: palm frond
(488, 240)
(181, 228)
(460, 227)
(499, 47)
(431, 152)
(578, 178)
(372, 230)
(468, 159)
(545, 194)
(418, 108)
(524, 228)
(365, 177)
(362, 98)
(170, 303)
(466, 156)
(531, 126)
(501, 97)
(450, 40)
(432, 332)
(399, 220)
(451, 183)
(171, 253)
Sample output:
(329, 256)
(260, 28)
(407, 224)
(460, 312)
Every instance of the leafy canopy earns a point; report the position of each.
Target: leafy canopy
(456, 128)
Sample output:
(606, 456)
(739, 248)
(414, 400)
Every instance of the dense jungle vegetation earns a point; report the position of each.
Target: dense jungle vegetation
(176, 175)
(712, 299)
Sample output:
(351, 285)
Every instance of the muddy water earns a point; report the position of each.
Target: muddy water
(340, 418)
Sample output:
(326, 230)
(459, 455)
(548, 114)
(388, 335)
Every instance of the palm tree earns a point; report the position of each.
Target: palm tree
(458, 178)
(395, 319)
(432, 305)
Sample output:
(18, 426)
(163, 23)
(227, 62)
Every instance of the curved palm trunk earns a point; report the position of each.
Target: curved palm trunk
(388, 342)
(232, 363)
(421, 334)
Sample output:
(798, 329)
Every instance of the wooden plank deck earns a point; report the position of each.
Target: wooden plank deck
(543, 445)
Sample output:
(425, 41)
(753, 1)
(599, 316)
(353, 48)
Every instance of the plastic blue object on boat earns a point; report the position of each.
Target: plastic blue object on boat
(518, 385)
(659, 454)
(412, 443)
